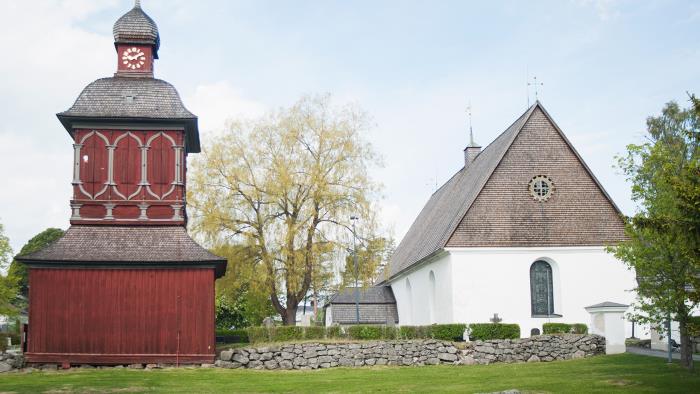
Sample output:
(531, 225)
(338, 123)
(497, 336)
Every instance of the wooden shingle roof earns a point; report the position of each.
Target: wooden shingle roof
(125, 245)
(440, 217)
(136, 27)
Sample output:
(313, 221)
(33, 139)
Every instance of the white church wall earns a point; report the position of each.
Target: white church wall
(421, 301)
(497, 280)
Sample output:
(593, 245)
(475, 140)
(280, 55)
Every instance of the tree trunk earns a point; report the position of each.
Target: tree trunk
(686, 345)
(289, 317)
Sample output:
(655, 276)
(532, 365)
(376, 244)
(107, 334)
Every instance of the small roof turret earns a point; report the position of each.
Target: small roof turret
(136, 27)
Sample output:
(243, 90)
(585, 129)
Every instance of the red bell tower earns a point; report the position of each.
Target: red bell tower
(132, 135)
(126, 283)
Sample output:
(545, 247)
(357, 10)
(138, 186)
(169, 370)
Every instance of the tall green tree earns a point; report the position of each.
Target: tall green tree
(285, 186)
(372, 255)
(241, 297)
(663, 236)
(38, 242)
(8, 284)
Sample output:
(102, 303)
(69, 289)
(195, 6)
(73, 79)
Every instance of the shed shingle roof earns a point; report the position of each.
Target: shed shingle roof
(445, 209)
(136, 27)
(368, 295)
(125, 245)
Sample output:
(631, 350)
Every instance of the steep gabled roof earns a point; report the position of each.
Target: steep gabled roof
(445, 209)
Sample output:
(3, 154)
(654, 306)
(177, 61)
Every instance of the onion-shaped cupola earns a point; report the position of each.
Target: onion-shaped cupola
(136, 27)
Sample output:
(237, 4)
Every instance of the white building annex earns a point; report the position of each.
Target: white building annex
(519, 231)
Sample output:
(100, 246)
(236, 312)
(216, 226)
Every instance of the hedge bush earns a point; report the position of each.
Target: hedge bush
(365, 332)
(233, 336)
(486, 331)
(334, 332)
(564, 328)
(314, 332)
(448, 332)
(286, 333)
(259, 334)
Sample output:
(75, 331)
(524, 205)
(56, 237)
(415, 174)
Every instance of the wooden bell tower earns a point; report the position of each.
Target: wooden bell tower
(126, 283)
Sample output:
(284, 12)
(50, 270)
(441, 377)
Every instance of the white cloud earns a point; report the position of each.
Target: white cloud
(218, 102)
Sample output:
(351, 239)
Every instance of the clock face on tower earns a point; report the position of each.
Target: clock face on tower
(133, 58)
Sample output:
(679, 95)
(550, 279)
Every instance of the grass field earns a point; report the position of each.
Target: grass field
(603, 374)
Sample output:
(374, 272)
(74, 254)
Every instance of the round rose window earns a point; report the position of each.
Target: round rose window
(541, 188)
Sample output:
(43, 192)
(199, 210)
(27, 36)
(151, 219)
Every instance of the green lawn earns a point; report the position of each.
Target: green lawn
(603, 374)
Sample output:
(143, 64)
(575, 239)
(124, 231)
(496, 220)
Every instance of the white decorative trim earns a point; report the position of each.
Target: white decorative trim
(80, 184)
(109, 207)
(176, 211)
(134, 194)
(76, 211)
(143, 207)
(115, 187)
(76, 163)
(173, 145)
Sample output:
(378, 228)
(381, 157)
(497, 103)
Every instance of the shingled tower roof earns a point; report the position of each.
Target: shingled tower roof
(136, 27)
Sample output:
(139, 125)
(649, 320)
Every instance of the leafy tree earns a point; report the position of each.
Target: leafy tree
(241, 299)
(372, 255)
(663, 236)
(38, 242)
(8, 285)
(285, 186)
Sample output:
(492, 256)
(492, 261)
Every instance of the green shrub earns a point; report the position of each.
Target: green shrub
(365, 332)
(579, 328)
(334, 332)
(564, 328)
(390, 332)
(448, 332)
(286, 333)
(258, 334)
(486, 331)
(408, 332)
(233, 336)
(314, 332)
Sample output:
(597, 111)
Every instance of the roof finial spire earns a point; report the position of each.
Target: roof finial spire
(471, 132)
(137, 3)
(535, 84)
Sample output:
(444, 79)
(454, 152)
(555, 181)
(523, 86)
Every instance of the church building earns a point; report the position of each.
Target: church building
(519, 232)
(125, 284)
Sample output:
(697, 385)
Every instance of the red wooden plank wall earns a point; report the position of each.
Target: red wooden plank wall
(97, 316)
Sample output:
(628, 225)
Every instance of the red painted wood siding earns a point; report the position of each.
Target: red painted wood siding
(160, 190)
(97, 316)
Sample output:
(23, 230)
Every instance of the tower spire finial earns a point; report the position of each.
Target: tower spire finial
(471, 132)
(137, 3)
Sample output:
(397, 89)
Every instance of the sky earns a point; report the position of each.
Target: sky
(415, 66)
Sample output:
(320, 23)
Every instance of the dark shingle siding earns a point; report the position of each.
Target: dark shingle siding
(369, 295)
(369, 314)
(109, 98)
(505, 214)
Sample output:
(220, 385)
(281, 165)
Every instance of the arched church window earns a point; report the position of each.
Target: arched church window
(541, 289)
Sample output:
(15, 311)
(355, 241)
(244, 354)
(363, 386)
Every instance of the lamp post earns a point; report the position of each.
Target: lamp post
(354, 258)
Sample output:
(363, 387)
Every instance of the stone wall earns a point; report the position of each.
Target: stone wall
(412, 352)
(534, 349)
